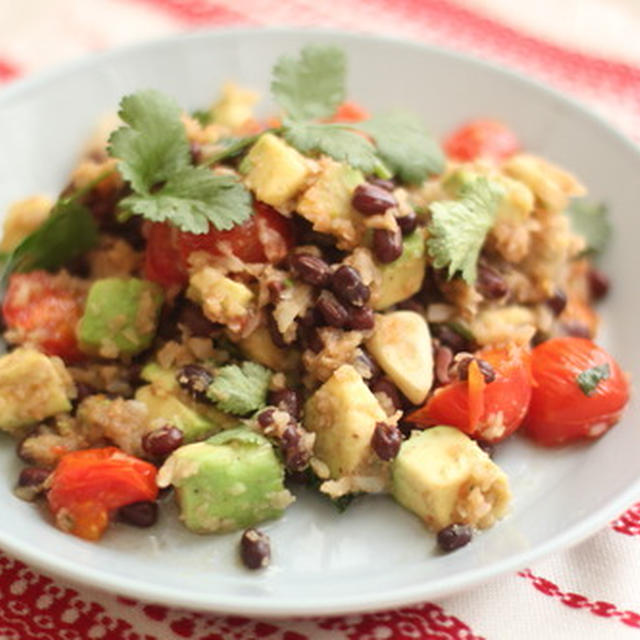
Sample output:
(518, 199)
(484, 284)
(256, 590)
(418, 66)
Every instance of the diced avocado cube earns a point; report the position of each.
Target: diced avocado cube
(275, 171)
(32, 387)
(401, 345)
(343, 413)
(403, 277)
(120, 317)
(231, 481)
(235, 105)
(327, 202)
(444, 477)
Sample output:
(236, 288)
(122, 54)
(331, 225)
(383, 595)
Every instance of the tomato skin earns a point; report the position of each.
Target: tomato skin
(482, 138)
(350, 111)
(40, 308)
(88, 484)
(475, 410)
(560, 411)
(162, 260)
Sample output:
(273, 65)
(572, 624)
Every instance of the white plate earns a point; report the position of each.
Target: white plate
(375, 555)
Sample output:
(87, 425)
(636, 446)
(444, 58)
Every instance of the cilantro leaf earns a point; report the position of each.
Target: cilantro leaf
(154, 145)
(240, 389)
(204, 117)
(69, 231)
(405, 146)
(588, 380)
(192, 198)
(591, 221)
(311, 86)
(333, 140)
(459, 227)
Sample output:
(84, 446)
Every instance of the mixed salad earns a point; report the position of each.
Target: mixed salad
(226, 306)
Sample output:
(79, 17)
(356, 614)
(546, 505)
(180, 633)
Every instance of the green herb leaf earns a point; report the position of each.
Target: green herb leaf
(192, 198)
(459, 227)
(311, 86)
(240, 389)
(589, 379)
(591, 221)
(405, 145)
(333, 140)
(69, 231)
(154, 145)
(204, 117)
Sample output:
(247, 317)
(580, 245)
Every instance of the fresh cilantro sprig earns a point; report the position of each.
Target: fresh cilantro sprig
(591, 221)
(459, 228)
(240, 389)
(154, 158)
(589, 379)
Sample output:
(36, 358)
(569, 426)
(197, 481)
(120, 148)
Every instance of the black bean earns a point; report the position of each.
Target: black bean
(557, 302)
(411, 304)
(332, 311)
(347, 284)
(490, 282)
(454, 536)
(450, 338)
(192, 317)
(539, 337)
(443, 359)
(274, 331)
(310, 338)
(265, 417)
(160, 442)
(255, 549)
(32, 476)
(195, 380)
(488, 447)
(387, 185)
(361, 318)
(599, 284)
(384, 385)
(487, 371)
(296, 458)
(370, 199)
(286, 400)
(407, 223)
(386, 441)
(310, 269)
(275, 288)
(83, 390)
(140, 514)
(387, 245)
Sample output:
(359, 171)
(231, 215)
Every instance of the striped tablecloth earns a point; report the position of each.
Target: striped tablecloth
(590, 591)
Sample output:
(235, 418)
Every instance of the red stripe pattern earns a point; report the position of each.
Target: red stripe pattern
(629, 522)
(8, 70)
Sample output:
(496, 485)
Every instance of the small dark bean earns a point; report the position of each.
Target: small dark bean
(310, 269)
(332, 311)
(387, 245)
(265, 417)
(576, 329)
(195, 380)
(411, 304)
(490, 282)
(454, 536)
(386, 441)
(487, 371)
(557, 302)
(286, 400)
(83, 391)
(32, 476)
(361, 318)
(296, 458)
(599, 284)
(387, 185)
(274, 332)
(488, 447)
(384, 385)
(192, 317)
(275, 288)
(255, 549)
(139, 514)
(369, 199)
(443, 359)
(162, 441)
(311, 339)
(347, 284)
(539, 337)
(407, 223)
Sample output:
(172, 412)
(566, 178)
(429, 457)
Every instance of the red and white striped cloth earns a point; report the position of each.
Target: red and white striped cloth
(591, 591)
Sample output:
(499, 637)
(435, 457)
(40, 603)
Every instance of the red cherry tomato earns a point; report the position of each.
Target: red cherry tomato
(86, 485)
(350, 111)
(481, 138)
(162, 260)
(44, 309)
(488, 411)
(567, 403)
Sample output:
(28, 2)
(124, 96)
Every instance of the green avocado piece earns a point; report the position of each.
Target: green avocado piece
(32, 387)
(120, 317)
(231, 481)
(403, 277)
(166, 402)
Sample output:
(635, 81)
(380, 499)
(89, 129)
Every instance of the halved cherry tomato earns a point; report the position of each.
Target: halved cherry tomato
(87, 485)
(567, 403)
(44, 309)
(350, 111)
(488, 411)
(162, 260)
(481, 138)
